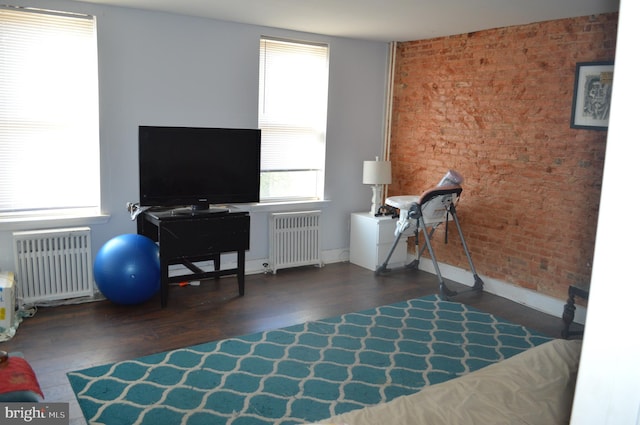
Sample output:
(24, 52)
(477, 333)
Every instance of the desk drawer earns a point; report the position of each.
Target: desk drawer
(198, 237)
(387, 231)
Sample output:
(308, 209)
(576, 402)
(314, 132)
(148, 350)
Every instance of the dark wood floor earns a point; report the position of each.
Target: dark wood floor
(66, 338)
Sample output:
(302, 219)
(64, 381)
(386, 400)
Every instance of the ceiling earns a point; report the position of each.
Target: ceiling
(378, 20)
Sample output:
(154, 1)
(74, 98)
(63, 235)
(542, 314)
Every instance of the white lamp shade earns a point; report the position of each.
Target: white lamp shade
(376, 172)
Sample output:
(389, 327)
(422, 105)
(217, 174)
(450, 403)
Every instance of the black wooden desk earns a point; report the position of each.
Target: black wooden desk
(188, 238)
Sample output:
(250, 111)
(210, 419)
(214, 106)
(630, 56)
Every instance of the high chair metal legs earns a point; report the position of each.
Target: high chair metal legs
(430, 210)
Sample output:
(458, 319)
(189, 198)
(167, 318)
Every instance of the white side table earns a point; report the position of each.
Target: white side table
(371, 240)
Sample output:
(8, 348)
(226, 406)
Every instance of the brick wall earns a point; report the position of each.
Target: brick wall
(496, 106)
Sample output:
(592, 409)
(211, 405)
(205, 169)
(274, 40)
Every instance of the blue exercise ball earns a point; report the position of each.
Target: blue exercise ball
(127, 269)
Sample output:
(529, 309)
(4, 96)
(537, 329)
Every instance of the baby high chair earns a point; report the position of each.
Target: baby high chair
(428, 211)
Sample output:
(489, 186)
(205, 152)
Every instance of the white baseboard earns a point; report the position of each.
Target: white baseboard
(256, 266)
(527, 297)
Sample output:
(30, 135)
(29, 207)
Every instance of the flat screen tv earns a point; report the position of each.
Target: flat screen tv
(195, 168)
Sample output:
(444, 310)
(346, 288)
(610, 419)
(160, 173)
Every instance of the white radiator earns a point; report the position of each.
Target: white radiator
(294, 239)
(53, 264)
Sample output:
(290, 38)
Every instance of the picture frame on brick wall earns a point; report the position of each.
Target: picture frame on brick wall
(592, 95)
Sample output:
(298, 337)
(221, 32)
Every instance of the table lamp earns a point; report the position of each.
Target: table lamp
(376, 173)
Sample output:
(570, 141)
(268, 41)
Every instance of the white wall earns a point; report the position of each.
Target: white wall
(608, 388)
(163, 69)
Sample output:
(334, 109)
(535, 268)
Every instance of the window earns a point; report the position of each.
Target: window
(293, 118)
(49, 134)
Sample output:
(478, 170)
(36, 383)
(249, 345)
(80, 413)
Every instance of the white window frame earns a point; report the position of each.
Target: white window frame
(293, 98)
(49, 115)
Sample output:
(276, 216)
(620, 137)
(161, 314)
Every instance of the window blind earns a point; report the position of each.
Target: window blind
(49, 123)
(293, 106)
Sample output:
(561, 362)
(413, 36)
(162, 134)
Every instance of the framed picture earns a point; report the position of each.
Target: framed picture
(592, 95)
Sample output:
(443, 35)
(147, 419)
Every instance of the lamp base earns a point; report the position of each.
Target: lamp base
(375, 199)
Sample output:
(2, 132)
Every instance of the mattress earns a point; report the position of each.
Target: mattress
(533, 387)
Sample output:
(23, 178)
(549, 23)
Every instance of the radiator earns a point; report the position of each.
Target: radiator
(53, 264)
(294, 240)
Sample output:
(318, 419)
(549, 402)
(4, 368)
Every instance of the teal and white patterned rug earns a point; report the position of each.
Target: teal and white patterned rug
(302, 373)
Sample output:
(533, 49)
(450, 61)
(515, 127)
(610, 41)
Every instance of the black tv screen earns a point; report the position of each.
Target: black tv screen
(196, 167)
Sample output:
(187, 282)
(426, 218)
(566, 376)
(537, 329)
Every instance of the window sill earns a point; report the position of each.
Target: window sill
(283, 206)
(47, 222)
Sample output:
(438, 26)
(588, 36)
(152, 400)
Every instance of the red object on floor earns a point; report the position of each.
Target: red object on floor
(17, 375)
